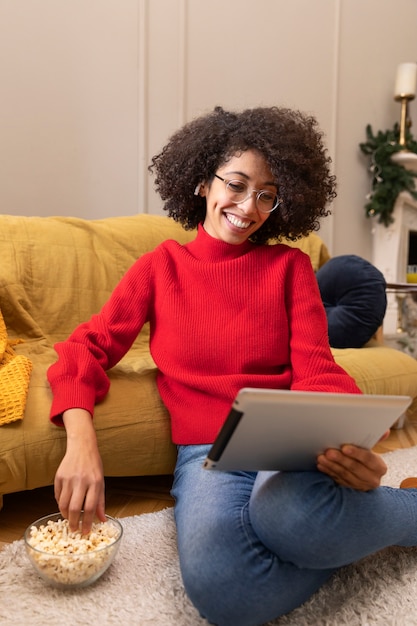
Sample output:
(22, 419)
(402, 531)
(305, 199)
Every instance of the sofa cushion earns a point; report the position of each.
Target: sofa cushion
(132, 425)
(15, 373)
(353, 294)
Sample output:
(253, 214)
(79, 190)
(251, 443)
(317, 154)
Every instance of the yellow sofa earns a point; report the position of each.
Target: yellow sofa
(55, 272)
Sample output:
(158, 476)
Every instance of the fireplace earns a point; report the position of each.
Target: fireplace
(412, 257)
(395, 255)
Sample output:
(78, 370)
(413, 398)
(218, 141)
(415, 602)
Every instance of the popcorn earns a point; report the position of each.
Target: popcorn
(68, 557)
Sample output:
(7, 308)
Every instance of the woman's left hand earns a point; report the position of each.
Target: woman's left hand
(354, 467)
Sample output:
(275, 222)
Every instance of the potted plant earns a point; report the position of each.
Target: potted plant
(388, 176)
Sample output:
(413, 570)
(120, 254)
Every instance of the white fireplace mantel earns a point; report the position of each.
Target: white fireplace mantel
(390, 252)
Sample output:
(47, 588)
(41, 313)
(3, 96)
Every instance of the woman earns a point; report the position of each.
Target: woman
(227, 311)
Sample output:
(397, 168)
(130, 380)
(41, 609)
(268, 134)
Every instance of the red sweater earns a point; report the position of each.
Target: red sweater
(222, 317)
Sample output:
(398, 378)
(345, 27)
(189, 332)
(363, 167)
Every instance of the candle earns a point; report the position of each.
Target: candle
(406, 78)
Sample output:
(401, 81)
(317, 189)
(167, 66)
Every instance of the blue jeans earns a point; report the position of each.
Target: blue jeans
(254, 546)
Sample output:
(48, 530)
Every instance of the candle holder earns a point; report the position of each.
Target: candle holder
(404, 92)
(405, 121)
(405, 157)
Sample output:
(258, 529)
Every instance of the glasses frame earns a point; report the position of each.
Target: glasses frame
(250, 192)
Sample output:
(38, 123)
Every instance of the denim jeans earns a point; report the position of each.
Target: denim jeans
(253, 546)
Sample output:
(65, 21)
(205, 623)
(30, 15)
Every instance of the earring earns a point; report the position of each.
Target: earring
(197, 189)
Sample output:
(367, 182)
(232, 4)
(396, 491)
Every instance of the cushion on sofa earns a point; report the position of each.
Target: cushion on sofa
(15, 373)
(353, 293)
(133, 427)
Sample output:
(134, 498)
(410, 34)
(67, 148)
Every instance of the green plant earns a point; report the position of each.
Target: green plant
(388, 178)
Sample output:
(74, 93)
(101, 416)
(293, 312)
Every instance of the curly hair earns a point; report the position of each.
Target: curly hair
(289, 141)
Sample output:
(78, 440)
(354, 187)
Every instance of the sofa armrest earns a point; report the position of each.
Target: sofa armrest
(381, 370)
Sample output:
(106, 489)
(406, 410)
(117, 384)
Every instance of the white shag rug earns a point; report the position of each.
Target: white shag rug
(143, 586)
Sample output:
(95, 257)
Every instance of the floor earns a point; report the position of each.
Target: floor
(124, 497)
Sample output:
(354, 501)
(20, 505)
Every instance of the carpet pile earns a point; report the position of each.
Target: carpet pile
(143, 586)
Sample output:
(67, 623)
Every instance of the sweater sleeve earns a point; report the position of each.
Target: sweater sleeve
(313, 365)
(78, 378)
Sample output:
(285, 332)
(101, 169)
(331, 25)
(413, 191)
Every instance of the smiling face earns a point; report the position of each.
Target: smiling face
(230, 222)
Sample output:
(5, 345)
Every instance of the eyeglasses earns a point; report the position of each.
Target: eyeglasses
(238, 192)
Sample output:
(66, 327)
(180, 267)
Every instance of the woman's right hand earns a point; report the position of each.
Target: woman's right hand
(79, 480)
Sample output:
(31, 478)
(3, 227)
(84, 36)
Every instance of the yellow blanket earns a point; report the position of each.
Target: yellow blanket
(15, 373)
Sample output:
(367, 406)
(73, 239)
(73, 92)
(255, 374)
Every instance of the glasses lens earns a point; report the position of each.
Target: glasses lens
(237, 190)
(266, 201)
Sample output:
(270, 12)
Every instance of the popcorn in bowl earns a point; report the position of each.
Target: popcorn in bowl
(69, 559)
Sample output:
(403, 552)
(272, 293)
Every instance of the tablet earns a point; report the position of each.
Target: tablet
(269, 429)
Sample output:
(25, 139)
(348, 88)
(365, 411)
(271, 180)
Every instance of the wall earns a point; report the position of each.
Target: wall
(91, 89)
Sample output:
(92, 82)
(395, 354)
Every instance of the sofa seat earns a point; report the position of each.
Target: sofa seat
(54, 274)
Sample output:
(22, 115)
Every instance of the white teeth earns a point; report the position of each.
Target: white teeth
(236, 221)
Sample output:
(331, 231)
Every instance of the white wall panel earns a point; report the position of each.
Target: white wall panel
(267, 52)
(68, 107)
(91, 89)
(376, 36)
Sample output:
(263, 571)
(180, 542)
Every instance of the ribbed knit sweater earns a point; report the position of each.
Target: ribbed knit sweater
(222, 317)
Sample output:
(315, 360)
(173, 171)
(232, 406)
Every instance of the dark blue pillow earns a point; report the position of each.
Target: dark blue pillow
(354, 296)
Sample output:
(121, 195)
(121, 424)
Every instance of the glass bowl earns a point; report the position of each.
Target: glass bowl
(69, 560)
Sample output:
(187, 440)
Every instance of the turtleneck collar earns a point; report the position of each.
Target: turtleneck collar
(207, 248)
